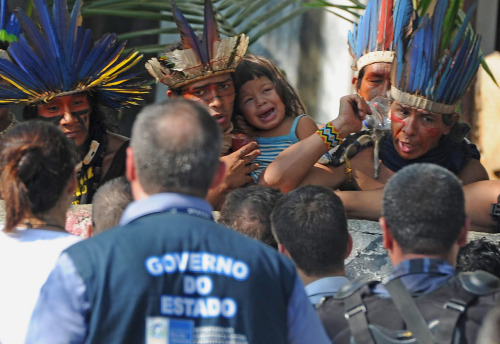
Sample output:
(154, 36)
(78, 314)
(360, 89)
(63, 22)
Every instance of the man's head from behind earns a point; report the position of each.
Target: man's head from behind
(479, 254)
(424, 210)
(174, 147)
(311, 225)
(248, 211)
(108, 204)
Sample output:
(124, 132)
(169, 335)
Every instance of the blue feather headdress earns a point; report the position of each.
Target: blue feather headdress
(9, 29)
(438, 61)
(56, 56)
(198, 59)
(371, 40)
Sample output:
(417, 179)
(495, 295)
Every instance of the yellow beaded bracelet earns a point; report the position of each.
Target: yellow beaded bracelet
(329, 135)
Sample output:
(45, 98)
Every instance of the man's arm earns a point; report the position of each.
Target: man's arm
(363, 205)
(479, 197)
(238, 168)
(293, 164)
(59, 315)
(304, 325)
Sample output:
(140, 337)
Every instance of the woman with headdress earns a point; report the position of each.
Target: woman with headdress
(37, 181)
(63, 77)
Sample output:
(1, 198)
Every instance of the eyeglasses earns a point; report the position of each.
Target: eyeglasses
(208, 92)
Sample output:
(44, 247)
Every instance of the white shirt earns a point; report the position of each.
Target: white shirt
(26, 258)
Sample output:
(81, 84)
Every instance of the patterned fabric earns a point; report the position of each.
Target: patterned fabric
(330, 135)
(89, 176)
(271, 147)
(450, 155)
(420, 276)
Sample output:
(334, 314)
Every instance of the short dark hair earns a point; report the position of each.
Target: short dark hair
(109, 202)
(479, 254)
(36, 162)
(176, 147)
(424, 208)
(248, 211)
(310, 222)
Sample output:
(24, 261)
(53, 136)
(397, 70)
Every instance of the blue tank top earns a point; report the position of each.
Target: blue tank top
(271, 147)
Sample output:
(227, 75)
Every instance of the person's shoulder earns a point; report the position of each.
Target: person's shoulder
(305, 126)
(473, 171)
(107, 237)
(115, 142)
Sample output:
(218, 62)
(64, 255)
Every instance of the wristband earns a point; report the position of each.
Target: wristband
(329, 135)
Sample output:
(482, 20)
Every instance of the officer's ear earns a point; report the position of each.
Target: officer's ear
(388, 239)
(220, 175)
(349, 246)
(282, 249)
(462, 238)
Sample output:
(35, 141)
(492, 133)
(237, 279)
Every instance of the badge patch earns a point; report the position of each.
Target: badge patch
(161, 330)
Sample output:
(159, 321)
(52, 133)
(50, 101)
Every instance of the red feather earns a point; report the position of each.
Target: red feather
(210, 31)
(386, 25)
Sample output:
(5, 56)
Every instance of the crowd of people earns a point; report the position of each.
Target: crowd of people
(195, 239)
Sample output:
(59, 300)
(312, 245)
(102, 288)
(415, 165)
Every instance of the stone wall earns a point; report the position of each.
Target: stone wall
(368, 258)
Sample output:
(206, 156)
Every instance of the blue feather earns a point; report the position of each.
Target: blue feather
(463, 27)
(373, 26)
(3, 14)
(17, 73)
(30, 63)
(32, 34)
(366, 28)
(70, 43)
(350, 39)
(96, 57)
(61, 20)
(360, 40)
(47, 28)
(402, 14)
(85, 45)
(437, 27)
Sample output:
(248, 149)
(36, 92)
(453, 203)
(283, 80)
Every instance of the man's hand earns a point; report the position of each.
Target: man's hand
(238, 168)
(239, 165)
(352, 112)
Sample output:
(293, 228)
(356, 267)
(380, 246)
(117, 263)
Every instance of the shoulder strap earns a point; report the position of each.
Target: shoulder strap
(471, 286)
(355, 313)
(409, 311)
(293, 129)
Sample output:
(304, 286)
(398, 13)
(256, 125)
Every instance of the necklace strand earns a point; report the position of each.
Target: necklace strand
(12, 122)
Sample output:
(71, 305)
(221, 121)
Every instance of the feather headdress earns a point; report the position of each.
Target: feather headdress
(198, 59)
(56, 56)
(9, 29)
(438, 61)
(371, 40)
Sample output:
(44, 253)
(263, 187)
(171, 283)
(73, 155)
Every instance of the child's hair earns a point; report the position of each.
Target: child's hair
(36, 162)
(252, 67)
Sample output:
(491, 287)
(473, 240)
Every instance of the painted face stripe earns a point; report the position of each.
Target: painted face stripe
(433, 132)
(78, 115)
(396, 119)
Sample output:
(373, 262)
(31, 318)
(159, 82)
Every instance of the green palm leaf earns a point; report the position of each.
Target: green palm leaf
(253, 17)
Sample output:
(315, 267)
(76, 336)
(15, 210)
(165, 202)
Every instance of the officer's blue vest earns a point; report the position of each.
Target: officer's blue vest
(182, 277)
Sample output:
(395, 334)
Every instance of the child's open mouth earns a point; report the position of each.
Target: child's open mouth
(267, 114)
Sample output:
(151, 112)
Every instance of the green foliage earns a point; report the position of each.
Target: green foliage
(354, 10)
(252, 17)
